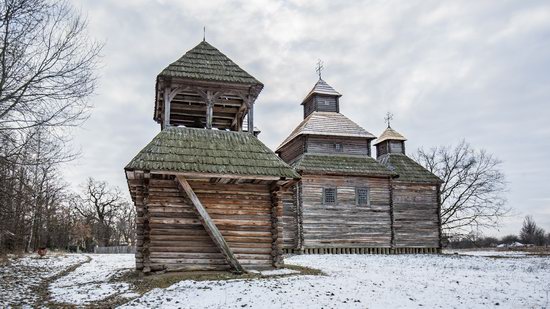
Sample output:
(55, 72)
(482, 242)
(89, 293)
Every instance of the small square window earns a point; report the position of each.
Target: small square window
(362, 196)
(329, 196)
(338, 147)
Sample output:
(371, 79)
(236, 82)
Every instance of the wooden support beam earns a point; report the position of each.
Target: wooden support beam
(166, 122)
(210, 227)
(209, 109)
(251, 118)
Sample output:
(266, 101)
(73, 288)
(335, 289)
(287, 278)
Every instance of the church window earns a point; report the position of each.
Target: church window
(329, 196)
(338, 147)
(362, 196)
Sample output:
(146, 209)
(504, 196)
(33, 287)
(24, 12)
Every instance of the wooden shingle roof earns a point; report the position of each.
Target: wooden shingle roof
(340, 165)
(321, 87)
(327, 123)
(205, 62)
(408, 169)
(390, 134)
(180, 149)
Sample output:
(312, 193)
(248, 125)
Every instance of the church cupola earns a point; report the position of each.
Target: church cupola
(322, 97)
(390, 141)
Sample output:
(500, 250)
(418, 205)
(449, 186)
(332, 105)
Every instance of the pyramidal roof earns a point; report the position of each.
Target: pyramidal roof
(327, 123)
(390, 134)
(205, 62)
(321, 87)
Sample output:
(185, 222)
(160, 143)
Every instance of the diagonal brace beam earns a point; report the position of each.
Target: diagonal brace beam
(210, 227)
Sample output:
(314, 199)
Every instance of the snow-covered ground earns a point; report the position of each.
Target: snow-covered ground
(374, 281)
(89, 283)
(489, 253)
(20, 278)
(351, 281)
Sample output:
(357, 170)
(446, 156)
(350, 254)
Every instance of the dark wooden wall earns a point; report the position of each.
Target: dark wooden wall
(325, 144)
(293, 149)
(416, 218)
(290, 219)
(174, 239)
(390, 147)
(321, 103)
(345, 224)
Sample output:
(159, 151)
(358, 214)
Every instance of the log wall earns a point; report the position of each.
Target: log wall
(325, 144)
(290, 219)
(416, 217)
(345, 225)
(321, 103)
(172, 238)
(293, 149)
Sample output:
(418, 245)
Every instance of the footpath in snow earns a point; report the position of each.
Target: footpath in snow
(374, 281)
(21, 278)
(90, 282)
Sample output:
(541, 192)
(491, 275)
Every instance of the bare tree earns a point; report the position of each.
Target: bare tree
(100, 203)
(531, 233)
(472, 193)
(47, 65)
(126, 223)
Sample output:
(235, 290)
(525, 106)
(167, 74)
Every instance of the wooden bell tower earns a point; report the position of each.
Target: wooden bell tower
(206, 89)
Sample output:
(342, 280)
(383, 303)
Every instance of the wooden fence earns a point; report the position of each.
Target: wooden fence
(115, 249)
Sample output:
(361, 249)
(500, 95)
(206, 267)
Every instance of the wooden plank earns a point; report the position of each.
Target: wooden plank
(209, 225)
(166, 122)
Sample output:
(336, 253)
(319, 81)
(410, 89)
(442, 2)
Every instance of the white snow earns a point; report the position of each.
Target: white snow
(488, 253)
(275, 272)
(90, 282)
(374, 281)
(20, 276)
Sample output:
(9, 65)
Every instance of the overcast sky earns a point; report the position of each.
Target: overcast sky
(474, 70)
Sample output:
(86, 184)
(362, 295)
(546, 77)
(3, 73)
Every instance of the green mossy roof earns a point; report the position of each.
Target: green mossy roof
(340, 164)
(408, 169)
(205, 62)
(180, 149)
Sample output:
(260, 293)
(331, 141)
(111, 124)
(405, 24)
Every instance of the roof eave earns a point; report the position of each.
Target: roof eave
(343, 173)
(369, 137)
(213, 175)
(320, 93)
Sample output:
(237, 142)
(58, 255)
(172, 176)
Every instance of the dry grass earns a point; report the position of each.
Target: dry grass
(144, 283)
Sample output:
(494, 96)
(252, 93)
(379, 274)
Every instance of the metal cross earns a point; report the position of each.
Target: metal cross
(204, 33)
(319, 68)
(388, 119)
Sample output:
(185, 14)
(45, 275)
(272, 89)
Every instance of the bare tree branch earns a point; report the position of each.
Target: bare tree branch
(472, 193)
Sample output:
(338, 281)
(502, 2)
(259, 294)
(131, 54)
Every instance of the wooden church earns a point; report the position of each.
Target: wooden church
(210, 196)
(348, 202)
(208, 193)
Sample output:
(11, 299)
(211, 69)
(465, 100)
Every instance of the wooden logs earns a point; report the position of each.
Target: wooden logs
(209, 226)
